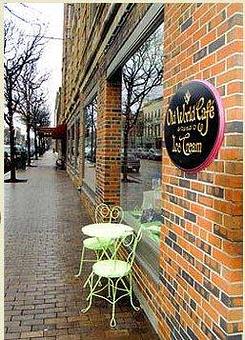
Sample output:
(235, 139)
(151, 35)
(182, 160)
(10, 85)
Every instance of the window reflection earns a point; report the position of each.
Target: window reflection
(90, 123)
(142, 137)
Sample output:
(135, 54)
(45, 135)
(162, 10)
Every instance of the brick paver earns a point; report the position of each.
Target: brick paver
(42, 249)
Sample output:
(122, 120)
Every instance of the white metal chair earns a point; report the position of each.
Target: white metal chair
(103, 214)
(115, 271)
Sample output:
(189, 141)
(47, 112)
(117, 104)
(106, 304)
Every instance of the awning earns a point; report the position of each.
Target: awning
(57, 132)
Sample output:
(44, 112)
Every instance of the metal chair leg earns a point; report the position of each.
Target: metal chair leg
(87, 281)
(109, 289)
(81, 263)
(90, 296)
(98, 257)
(131, 293)
(91, 293)
(113, 322)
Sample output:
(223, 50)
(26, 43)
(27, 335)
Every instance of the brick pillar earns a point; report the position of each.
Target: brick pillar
(201, 240)
(108, 140)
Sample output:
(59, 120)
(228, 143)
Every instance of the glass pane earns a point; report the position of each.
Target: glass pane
(142, 137)
(90, 123)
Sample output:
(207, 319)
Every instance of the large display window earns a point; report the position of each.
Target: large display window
(142, 135)
(90, 124)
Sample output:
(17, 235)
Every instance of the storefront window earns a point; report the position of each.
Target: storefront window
(72, 149)
(77, 141)
(69, 145)
(141, 186)
(90, 123)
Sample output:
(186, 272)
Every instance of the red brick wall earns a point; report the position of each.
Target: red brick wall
(201, 240)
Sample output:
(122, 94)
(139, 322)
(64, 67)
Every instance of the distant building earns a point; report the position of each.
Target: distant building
(152, 116)
(57, 109)
(147, 132)
(58, 144)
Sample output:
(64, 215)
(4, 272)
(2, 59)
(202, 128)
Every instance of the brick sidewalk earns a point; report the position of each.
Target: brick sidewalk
(42, 252)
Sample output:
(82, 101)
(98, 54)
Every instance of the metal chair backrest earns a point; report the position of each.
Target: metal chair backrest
(116, 215)
(102, 213)
(131, 255)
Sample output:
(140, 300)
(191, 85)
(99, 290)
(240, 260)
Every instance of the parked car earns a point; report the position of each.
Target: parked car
(138, 152)
(141, 152)
(87, 150)
(144, 153)
(133, 162)
(7, 163)
(89, 155)
(7, 149)
(20, 156)
(155, 154)
(32, 150)
(132, 151)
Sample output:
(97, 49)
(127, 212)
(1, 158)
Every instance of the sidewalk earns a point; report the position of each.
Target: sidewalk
(43, 299)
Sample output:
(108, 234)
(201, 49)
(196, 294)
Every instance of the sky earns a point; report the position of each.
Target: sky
(52, 15)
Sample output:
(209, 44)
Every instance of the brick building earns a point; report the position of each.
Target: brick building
(153, 122)
(196, 291)
(148, 130)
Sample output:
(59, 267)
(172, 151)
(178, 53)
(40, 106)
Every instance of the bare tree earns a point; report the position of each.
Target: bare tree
(16, 13)
(31, 96)
(40, 117)
(94, 129)
(18, 52)
(141, 74)
(90, 125)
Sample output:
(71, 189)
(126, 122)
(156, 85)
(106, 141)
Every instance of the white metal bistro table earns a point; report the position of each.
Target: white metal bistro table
(110, 231)
(107, 230)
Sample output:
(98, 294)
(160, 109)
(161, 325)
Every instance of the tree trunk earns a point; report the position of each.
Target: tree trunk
(28, 128)
(35, 142)
(12, 152)
(40, 145)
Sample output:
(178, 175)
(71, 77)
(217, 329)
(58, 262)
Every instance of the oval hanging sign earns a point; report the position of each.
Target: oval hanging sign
(194, 126)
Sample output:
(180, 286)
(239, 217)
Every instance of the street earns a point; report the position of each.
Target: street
(42, 252)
